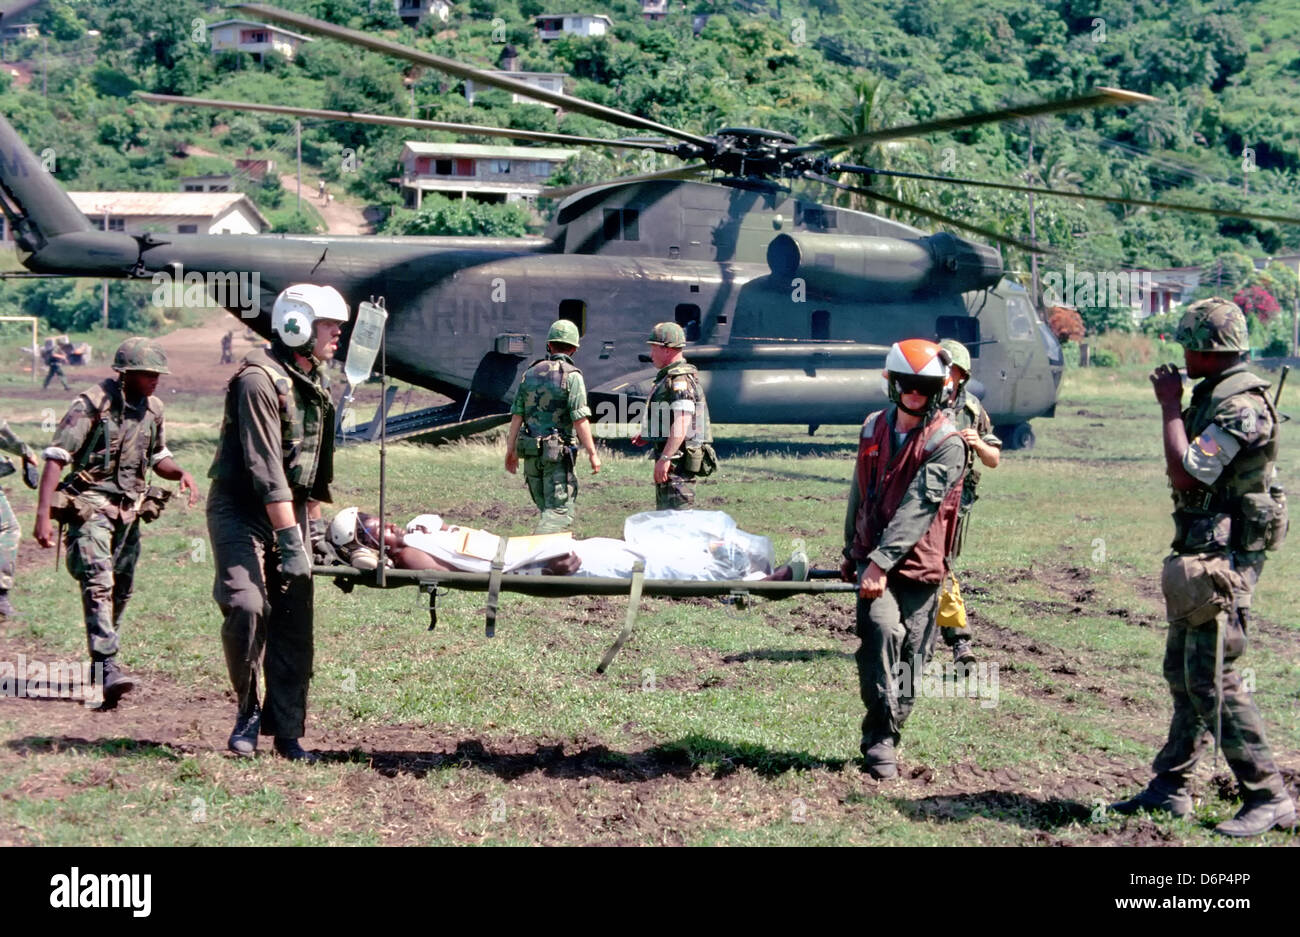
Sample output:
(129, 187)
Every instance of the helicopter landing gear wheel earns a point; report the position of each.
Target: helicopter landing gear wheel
(1016, 436)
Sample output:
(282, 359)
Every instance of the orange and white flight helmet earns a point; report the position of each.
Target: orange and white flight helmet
(917, 365)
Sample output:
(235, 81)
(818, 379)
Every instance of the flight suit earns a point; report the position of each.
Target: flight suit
(551, 398)
(111, 445)
(10, 531)
(677, 390)
(276, 444)
(1218, 553)
(966, 413)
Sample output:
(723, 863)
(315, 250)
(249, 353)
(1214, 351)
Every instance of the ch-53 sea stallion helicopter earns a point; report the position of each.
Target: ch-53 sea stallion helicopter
(789, 305)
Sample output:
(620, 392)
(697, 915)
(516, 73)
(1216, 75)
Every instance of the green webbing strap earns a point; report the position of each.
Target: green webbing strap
(494, 588)
(1218, 684)
(633, 602)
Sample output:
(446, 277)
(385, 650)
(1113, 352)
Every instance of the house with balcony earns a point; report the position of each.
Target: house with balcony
(556, 25)
(484, 172)
(546, 81)
(414, 12)
(255, 38)
(652, 10)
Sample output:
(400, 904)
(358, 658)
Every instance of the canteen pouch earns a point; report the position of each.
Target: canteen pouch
(1197, 587)
(952, 607)
(526, 447)
(1263, 520)
(700, 461)
(553, 448)
(153, 503)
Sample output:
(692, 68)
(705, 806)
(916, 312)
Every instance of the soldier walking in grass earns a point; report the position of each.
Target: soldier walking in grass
(10, 531)
(1220, 456)
(54, 358)
(548, 419)
(898, 532)
(112, 436)
(972, 421)
(676, 422)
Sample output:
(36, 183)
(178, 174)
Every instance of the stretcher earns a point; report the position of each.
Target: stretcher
(429, 581)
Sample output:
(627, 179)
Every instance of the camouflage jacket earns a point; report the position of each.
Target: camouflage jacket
(967, 412)
(1232, 432)
(277, 433)
(115, 442)
(11, 443)
(677, 390)
(552, 396)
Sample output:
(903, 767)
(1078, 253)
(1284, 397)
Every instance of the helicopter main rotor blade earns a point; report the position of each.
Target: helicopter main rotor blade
(1027, 246)
(681, 172)
(1082, 196)
(1098, 97)
(361, 117)
(456, 69)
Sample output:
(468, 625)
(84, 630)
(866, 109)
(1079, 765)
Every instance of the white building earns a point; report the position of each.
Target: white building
(546, 81)
(211, 182)
(555, 25)
(485, 172)
(172, 212)
(254, 38)
(413, 12)
(654, 9)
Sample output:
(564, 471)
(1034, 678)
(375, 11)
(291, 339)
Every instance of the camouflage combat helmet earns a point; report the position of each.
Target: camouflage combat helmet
(668, 334)
(1214, 324)
(564, 332)
(140, 354)
(958, 351)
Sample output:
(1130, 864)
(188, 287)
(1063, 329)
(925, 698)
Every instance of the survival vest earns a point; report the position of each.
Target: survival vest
(884, 477)
(117, 449)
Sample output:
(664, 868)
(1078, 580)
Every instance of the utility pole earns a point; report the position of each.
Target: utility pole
(1033, 234)
(45, 66)
(297, 125)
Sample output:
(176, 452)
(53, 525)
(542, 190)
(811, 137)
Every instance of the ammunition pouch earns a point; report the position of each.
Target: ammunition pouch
(1197, 587)
(1262, 521)
(1197, 532)
(152, 505)
(526, 447)
(553, 448)
(68, 508)
(699, 461)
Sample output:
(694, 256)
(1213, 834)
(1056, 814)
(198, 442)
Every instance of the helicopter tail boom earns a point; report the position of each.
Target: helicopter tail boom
(34, 205)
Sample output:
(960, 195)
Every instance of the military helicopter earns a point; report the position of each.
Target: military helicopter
(789, 305)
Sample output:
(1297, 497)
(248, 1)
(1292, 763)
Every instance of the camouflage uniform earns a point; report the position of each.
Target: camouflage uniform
(111, 445)
(277, 444)
(677, 390)
(552, 397)
(1233, 433)
(966, 413)
(10, 531)
(54, 359)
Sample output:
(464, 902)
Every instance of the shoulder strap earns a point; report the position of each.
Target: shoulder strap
(101, 404)
(1239, 383)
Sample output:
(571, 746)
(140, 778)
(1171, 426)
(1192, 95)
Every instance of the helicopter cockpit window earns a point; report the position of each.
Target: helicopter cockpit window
(965, 329)
(687, 315)
(575, 310)
(815, 216)
(1020, 319)
(821, 324)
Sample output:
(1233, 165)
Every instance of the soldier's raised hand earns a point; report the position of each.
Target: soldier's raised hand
(1168, 384)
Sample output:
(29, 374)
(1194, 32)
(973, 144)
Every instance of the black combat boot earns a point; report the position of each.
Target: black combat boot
(879, 758)
(1163, 794)
(6, 609)
(113, 685)
(243, 740)
(1259, 815)
(290, 749)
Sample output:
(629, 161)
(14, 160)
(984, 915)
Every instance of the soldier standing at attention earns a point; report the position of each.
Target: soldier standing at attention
(10, 531)
(898, 534)
(1228, 509)
(112, 436)
(273, 467)
(972, 421)
(551, 408)
(676, 422)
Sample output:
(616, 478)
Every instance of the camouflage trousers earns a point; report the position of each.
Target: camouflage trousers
(554, 489)
(102, 553)
(1189, 670)
(678, 493)
(897, 631)
(10, 534)
(268, 621)
(55, 371)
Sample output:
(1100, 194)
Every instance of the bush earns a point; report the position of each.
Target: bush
(1102, 358)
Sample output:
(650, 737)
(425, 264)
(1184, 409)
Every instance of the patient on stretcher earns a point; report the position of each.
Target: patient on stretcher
(690, 545)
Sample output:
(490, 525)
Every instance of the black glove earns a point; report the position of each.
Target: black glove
(31, 474)
(295, 564)
(322, 550)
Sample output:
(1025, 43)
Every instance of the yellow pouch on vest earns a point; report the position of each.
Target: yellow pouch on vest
(952, 609)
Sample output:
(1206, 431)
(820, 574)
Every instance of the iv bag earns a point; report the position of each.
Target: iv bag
(367, 334)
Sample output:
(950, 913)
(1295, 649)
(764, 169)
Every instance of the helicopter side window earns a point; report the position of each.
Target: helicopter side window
(575, 310)
(815, 216)
(687, 315)
(622, 224)
(965, 329)
(1020, 319)
(821, 324)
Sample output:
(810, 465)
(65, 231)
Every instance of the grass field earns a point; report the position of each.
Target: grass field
(714, 725)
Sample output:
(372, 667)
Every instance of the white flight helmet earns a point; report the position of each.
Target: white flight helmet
(917, 365)
(294, 315)
(343, 529)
